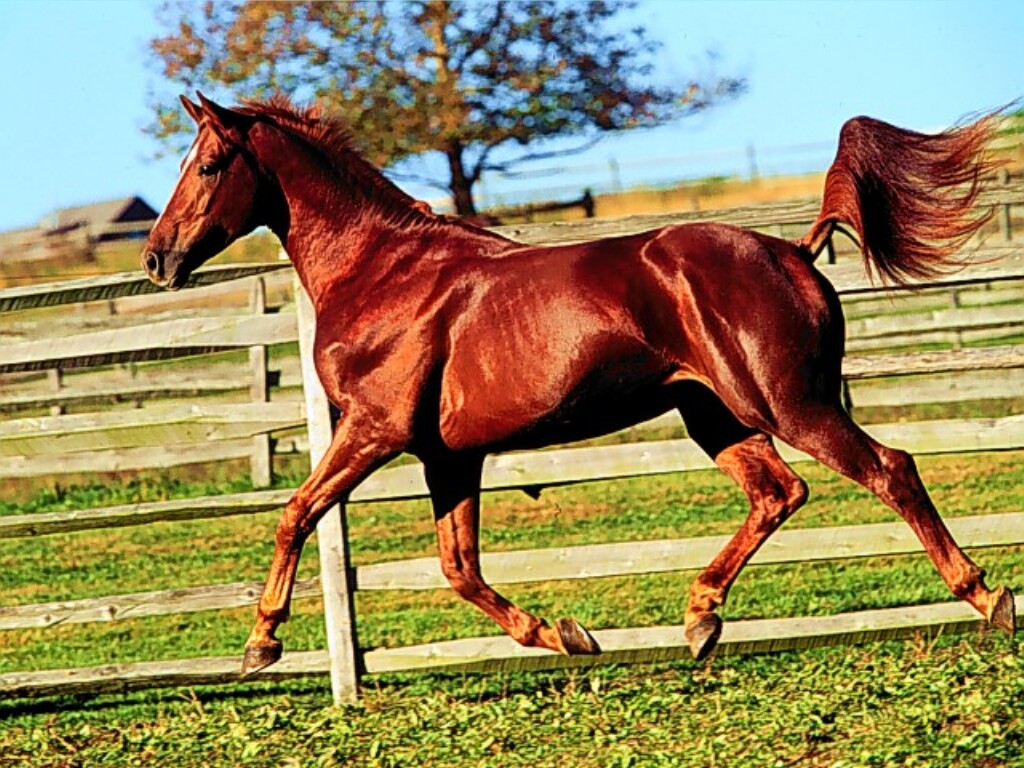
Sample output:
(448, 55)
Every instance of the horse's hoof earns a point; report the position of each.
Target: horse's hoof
(703, 635)
(1004, 612)
(575, 639)
(258, 657)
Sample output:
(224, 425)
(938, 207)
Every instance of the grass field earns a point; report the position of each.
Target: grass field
(955, 701)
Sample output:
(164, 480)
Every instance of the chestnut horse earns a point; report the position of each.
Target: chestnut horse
(449, 342)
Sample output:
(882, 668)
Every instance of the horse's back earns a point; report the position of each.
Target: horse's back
(595, 333)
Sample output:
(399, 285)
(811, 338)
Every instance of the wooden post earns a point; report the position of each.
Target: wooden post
(1005, 225)
(587, 203)
(332, 531)
(954, 300)
(56, 379)
(261, 460)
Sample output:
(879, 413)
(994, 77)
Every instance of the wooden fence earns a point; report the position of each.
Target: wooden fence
(191, 430)
(528, 211)
(1000, 197)
(21, 439)
(983, 304)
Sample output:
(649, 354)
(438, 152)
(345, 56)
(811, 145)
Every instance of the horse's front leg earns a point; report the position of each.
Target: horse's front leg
(454, 482)
(355, 451)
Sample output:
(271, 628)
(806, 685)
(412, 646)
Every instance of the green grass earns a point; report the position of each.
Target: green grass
(953, 702)
(956, 701)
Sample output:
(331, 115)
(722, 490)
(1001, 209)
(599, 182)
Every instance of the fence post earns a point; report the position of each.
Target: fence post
(56, 378)
(1005, 223)
(954, 302)
(587, 202)
(332, 531)
(261, 459)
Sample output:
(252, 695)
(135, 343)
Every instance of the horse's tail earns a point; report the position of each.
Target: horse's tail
(908, 197)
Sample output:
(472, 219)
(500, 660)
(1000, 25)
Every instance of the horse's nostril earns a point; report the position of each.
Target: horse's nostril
(152, 263)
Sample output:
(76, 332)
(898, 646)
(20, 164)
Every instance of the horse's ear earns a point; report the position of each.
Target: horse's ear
(193, 109)
(221, 119)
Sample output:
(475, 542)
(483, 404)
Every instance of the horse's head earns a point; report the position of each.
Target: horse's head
(214, 202)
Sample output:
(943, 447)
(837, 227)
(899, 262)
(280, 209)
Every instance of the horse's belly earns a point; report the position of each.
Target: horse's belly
(592, 418)
(558, 403)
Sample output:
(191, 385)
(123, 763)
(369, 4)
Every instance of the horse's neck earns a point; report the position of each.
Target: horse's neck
(331, 232)
(323, 226)
(326, 242)
(333, 237)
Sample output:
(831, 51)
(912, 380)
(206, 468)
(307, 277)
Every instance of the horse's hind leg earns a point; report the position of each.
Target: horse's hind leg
(775, 491)
(454, 482)
(828, 434)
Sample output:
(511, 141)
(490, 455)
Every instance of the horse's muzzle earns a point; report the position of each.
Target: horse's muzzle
(154, 265)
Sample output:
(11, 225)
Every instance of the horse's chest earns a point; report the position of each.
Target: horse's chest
(376, 363)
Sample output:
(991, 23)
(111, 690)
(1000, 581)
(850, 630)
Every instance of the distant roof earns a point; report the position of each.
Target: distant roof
(125, 217)
(96, 215)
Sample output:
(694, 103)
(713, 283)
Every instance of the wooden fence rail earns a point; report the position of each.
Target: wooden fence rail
(995, 197)
(160, 341)
(22, 439)
(501, 653)
(137, 393)
(536, 565)
(533, 471)
(155, 457)
(997, 372)
(117, 286)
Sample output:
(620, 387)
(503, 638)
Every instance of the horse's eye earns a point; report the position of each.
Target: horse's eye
(207, 169)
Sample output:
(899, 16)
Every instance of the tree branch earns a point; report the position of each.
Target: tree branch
(479, 40)
(504, 167)
(415, 178)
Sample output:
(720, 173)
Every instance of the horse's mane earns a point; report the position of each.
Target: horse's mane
(331, 138)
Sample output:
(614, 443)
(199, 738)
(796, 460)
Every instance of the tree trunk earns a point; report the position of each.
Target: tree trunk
(461, 185)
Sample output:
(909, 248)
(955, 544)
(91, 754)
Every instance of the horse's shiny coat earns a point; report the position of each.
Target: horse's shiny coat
(450, 342)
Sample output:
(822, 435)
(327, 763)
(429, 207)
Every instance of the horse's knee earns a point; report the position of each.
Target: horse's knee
(897, 462)
(466, 584)
(293, 525)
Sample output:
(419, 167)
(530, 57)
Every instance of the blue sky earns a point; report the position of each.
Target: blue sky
(75, 80)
